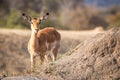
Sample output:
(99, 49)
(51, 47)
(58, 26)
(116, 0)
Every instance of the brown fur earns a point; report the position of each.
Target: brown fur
(48, 35)
(43, 43)
(34, 20)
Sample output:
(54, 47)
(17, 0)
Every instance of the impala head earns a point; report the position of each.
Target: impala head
(35, 22)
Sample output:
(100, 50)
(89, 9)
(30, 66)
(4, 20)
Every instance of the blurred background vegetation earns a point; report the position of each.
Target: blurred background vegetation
(64, 14)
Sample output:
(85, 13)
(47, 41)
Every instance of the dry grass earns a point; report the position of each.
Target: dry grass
(14, 57)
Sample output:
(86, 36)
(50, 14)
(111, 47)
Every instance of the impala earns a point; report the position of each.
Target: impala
(44, 43)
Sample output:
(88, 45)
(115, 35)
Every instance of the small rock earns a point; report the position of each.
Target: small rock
(22, 78)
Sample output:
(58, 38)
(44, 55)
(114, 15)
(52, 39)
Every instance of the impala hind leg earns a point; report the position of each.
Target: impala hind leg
(52, 56)
(48, 57)
(55, 51)
(42, 56)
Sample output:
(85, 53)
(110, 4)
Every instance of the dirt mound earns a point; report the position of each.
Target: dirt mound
(97, 58)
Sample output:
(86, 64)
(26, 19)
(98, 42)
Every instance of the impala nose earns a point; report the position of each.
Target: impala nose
(36, 30)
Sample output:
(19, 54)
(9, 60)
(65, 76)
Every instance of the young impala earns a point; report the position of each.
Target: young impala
(43, 43)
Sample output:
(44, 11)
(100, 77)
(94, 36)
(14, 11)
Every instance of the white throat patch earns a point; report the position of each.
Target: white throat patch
(33, 29)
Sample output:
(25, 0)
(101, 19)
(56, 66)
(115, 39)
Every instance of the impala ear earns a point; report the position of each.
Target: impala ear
(26, 17)
(44, 17)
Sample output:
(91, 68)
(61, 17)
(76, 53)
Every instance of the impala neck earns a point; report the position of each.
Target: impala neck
(33, 35)
(34, 40)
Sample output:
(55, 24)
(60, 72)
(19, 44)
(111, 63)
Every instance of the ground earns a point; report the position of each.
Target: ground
(14, 57)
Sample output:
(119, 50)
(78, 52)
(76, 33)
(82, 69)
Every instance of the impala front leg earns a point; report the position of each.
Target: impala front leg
(32, 62)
